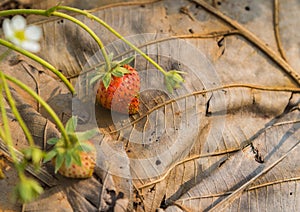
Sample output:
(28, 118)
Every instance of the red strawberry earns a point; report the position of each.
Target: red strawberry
(122, 92)
(85, 170)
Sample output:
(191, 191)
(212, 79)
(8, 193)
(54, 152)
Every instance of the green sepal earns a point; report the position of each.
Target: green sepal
(58, 162)
(33, 155)
(106, 79)
(85, 147)
(95, 78)
(126, 61)
(37, 156)
(27, 189)
(76, 159)
(52, 141)
(51, 154)
(120, 71)
(71, 124)
(68, 159)
(83, 136)
(173, 80)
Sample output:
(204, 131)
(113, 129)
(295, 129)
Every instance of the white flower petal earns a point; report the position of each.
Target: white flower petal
(33, 33)
(31, 46)
(8, 32)
(15, 41)
(18, 22)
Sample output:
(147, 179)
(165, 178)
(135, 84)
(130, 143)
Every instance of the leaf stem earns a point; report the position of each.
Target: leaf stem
(15, 110)
(39, 60)
(93, 17)
(43, 103)
(6, 134)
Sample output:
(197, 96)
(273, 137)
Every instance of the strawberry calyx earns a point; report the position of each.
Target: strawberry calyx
(173, 80)
(69, 152)
(113, 68)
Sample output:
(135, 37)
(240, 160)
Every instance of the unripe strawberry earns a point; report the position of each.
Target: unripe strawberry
(88, 161)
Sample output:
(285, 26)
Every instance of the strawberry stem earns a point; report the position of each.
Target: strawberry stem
(43, 103)
(39, 60)
(93, 17)
(15, 110)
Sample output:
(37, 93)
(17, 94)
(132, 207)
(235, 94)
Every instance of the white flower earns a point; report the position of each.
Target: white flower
(21, 35)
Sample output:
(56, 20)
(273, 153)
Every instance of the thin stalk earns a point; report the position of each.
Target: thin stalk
(15, 110)
(61, 15)
(7, 134)
(44, 104)
(91, 16)
(39, 60)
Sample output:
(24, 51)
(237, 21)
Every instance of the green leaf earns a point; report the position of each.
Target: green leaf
(50, 155)
(58, 162)
(106, 79)
(126, 60)
(52, 141)
(71, 124)
(83, 136)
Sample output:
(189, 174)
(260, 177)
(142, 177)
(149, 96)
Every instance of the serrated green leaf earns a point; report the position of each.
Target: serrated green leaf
(49, 155)
(76, 158)
(106, 79)
(83, 136)
(52, 141)
(126, 60)
(58, 161)
(71, 124)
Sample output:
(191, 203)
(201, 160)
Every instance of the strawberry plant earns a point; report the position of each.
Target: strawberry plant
(74, 158)
(73, 155)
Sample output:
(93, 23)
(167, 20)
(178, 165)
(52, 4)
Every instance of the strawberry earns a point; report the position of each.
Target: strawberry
(85, 170)
(119, 87)
(75, 157)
